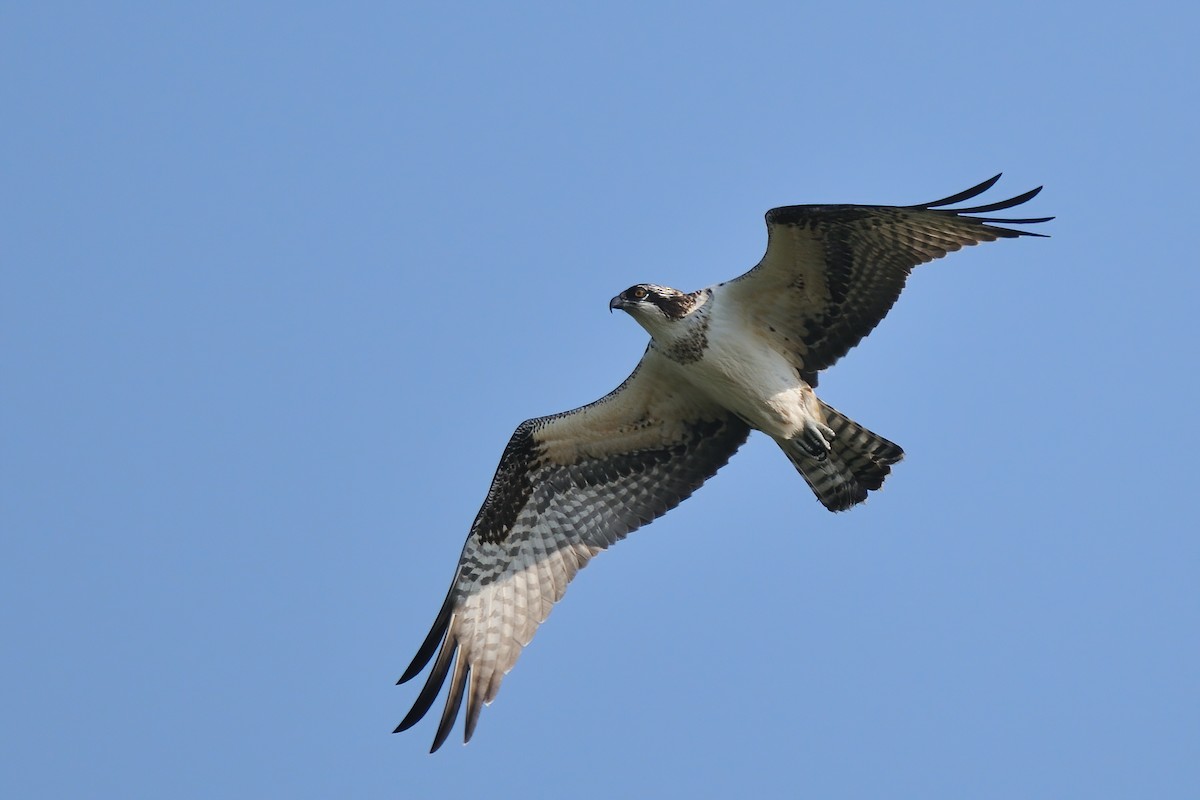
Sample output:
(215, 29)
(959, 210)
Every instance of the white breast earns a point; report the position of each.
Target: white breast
(743, 372)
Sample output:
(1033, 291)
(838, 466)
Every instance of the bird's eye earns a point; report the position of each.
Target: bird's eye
(639, 293)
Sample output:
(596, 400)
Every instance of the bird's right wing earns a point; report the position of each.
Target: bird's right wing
(567, 487)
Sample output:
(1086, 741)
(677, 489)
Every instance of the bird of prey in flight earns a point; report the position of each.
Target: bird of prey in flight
(738, 356)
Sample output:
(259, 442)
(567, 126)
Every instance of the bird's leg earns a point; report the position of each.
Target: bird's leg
(815, 439)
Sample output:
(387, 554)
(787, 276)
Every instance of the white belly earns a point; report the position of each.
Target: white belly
(744, 374)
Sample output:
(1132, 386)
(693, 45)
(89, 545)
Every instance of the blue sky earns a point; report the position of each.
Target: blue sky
(279, 281)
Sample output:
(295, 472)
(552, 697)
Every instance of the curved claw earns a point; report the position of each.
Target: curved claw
(816, 439)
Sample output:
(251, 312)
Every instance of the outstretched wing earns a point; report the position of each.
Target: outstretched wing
(831, 272)
(567, 487)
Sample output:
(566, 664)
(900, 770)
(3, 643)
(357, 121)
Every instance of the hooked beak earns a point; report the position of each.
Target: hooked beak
(616, 302)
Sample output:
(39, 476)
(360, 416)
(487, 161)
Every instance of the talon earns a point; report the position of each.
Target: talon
(816, 440)
(827, 435)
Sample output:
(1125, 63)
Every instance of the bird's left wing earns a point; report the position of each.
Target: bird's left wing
(831, 272)
(567, 487)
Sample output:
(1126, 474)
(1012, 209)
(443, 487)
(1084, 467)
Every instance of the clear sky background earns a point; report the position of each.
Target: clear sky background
(279, 280)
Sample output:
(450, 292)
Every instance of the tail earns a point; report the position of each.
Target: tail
(857, 462)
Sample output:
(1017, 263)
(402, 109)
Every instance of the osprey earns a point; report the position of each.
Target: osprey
(722, 361)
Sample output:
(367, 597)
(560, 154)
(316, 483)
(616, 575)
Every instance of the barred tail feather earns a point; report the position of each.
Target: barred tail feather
(857, 462)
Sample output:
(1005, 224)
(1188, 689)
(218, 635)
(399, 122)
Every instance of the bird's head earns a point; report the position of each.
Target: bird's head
(655, 307)
(646, 301)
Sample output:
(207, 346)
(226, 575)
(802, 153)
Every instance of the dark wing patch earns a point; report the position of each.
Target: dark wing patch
(832, 272)
(567, 487)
